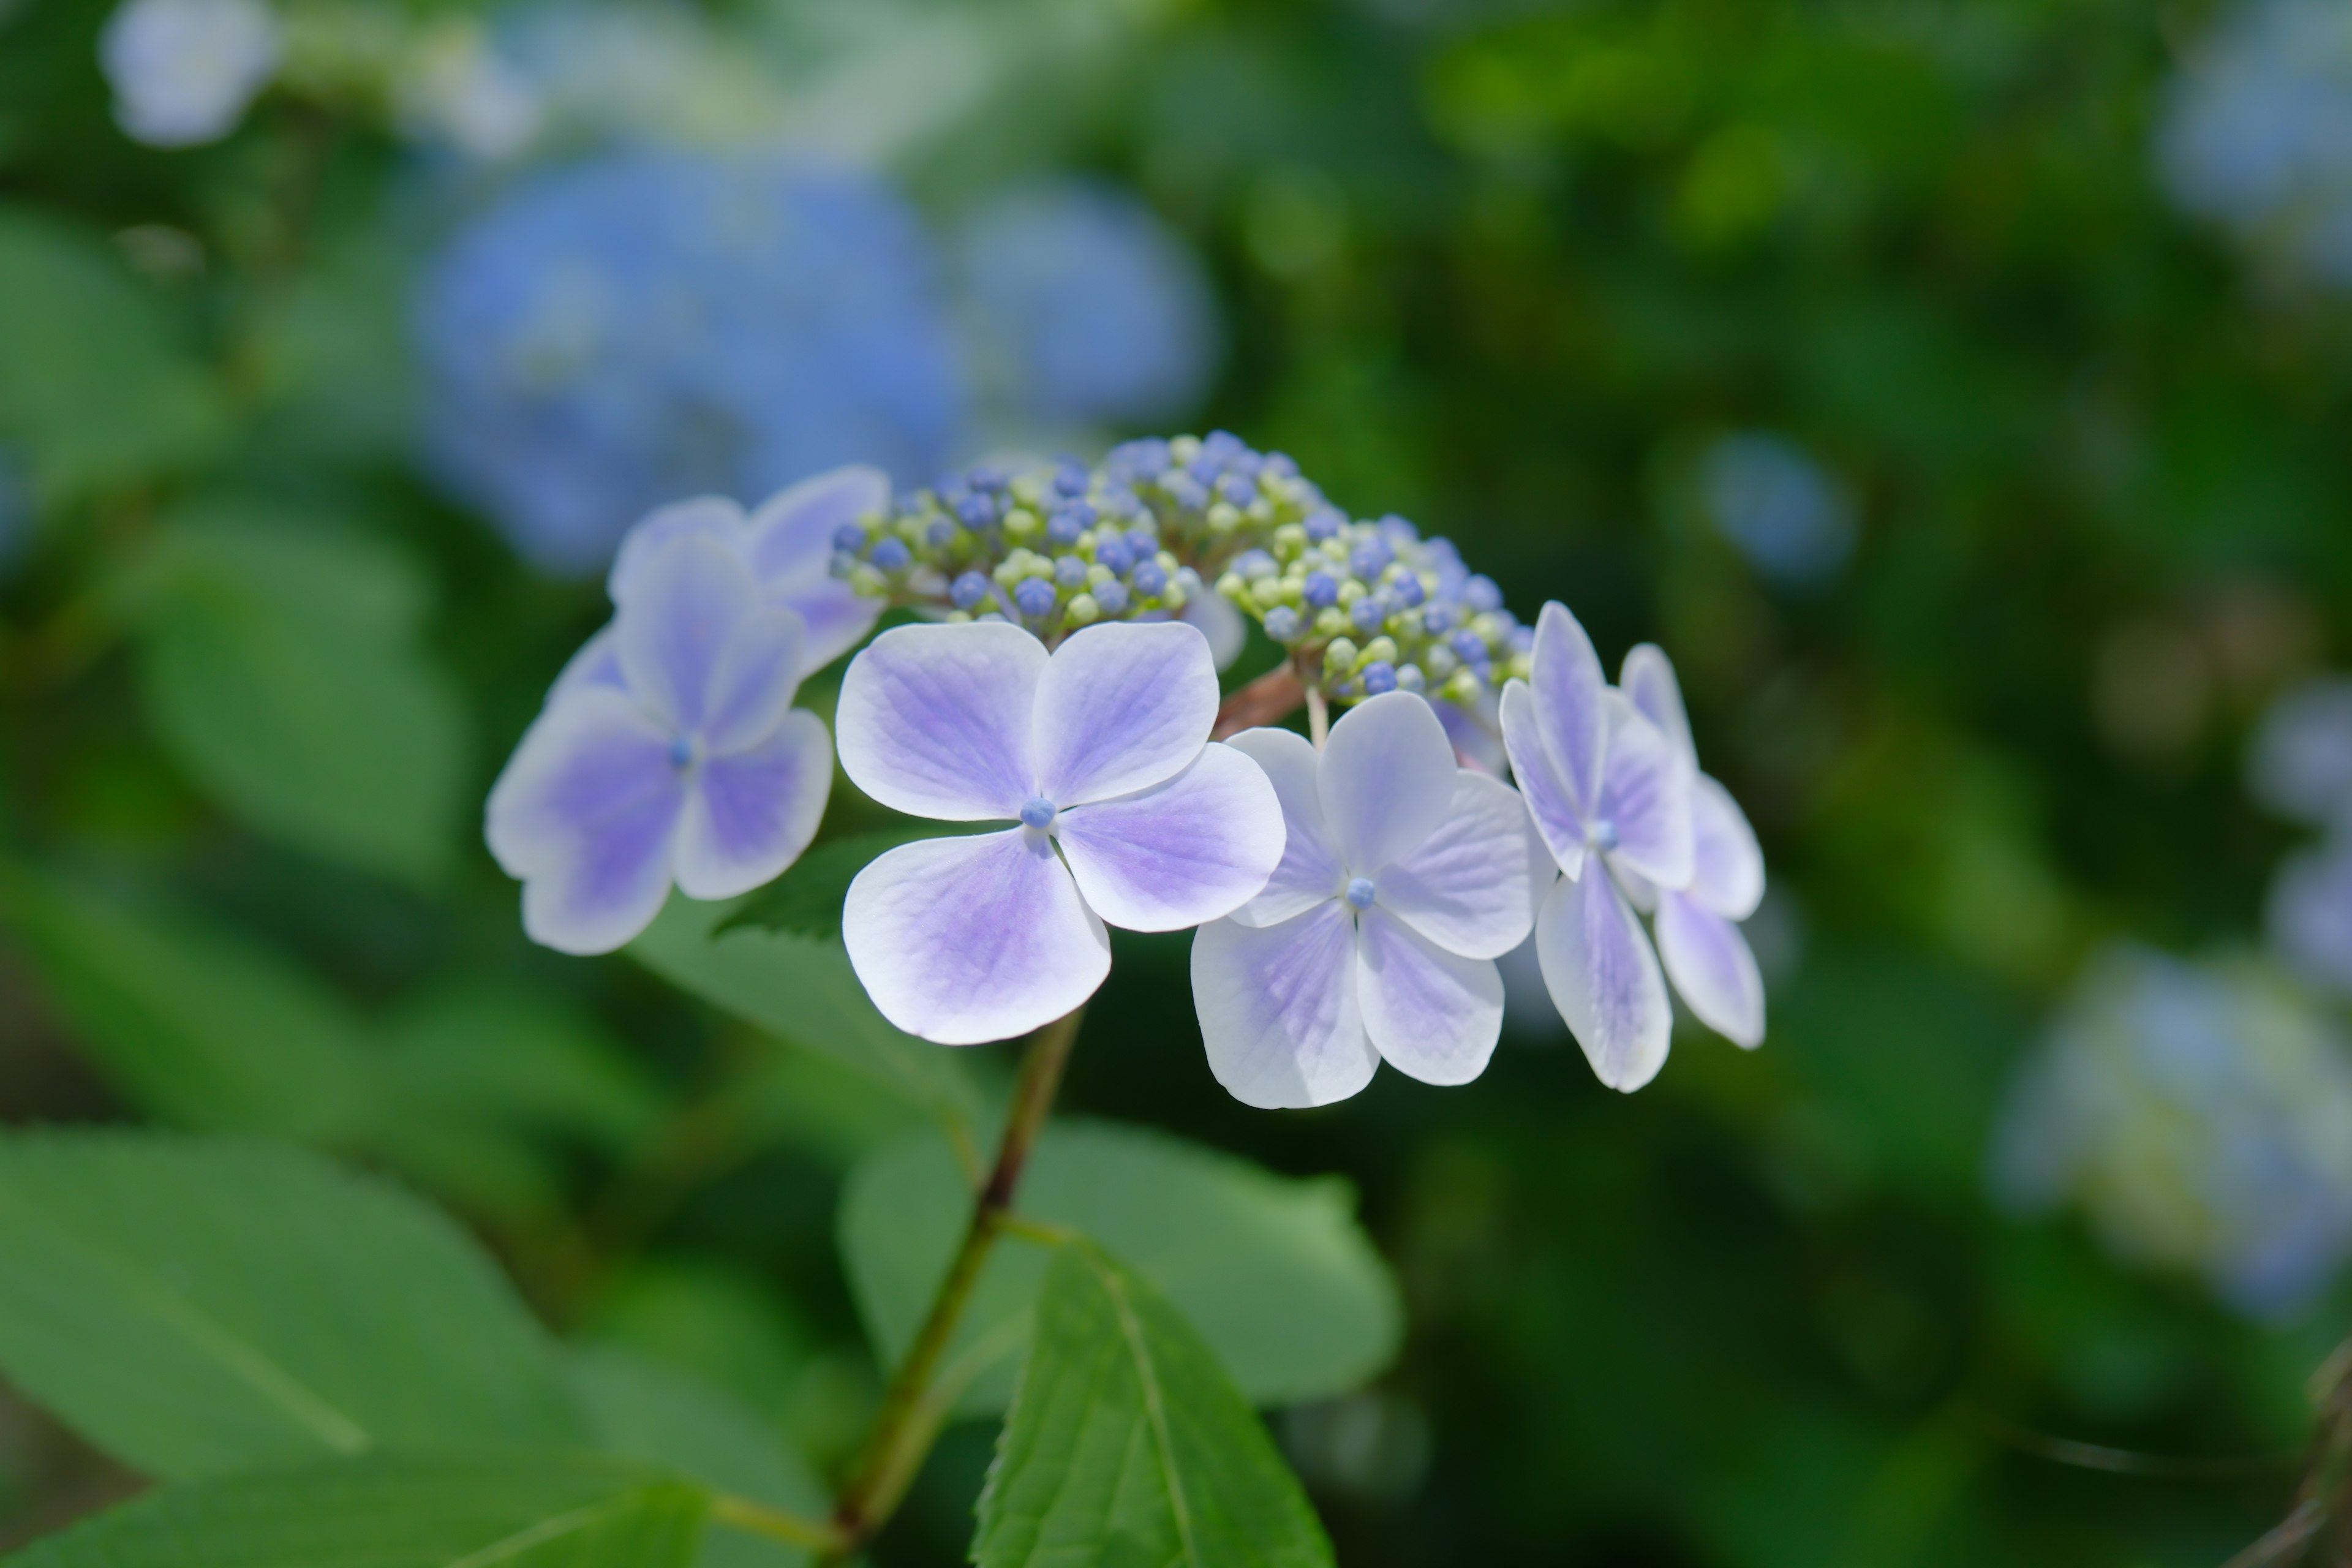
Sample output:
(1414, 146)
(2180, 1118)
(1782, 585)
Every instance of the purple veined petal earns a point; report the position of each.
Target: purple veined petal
(713, 517)
(1549, 806)
(1645, 797)
(1310, 871)
(1220, 623)
(750, 813)
(1192, 849)
(791, 533)
(1278, 1009)
(1474, 886)
(1477, 735)
(1605, 979)
(753, 681)
(1713, 971)
(966, 940)
(1386, 780)
(1122, 706)
(1570, 715)
(838, 617)
(1727, 866)
(585, 814)
(1647, 679)
(1432, 1014)
(687, 597)
(598, 663)
(935, 721)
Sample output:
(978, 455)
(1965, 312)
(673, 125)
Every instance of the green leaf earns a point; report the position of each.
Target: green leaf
(1275, 1272)
(713, 1321)
(806, 899)
(196, 1306)
(278, 664)
(640, 1409)
(1127, 1446)
(514, 1511)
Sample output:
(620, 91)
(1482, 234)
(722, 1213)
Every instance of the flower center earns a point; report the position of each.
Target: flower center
(1601, 836)
(1038, 812)
(1359, 892)
(681, 753)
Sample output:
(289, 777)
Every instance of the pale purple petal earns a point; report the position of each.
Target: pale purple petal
(1433, 1015)
(1605, 978)
(966, 940)
(1122, 707)
(750, 813)
(687, 599)
(1554, 813)
(712, 517)
(838, 617)
(1386, 780)
(1475, 885)
(1278, 1009)
(1713, 970)
(1192, 849)
(751, 686)
(1569, 712)
(1476, 734)
(598, 663)
(1227, 631)
(1310, 872)
(792, 533)
(935, 721)
(1727, 867)
(1647, 679)
(1645, 796)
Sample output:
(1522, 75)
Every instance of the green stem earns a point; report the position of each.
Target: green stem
(910, 1418)
(774, 1523)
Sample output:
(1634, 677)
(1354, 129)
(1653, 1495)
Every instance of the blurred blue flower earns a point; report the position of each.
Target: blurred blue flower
(1086, 309)
(1778, 507)
(183, 71)
(654, 325)
(2300, 763)
(2200, 1115)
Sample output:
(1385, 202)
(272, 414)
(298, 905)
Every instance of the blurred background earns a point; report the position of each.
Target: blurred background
(1958, 391)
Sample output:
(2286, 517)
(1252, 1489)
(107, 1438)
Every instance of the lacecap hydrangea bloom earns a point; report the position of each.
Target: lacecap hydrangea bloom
(183, 71)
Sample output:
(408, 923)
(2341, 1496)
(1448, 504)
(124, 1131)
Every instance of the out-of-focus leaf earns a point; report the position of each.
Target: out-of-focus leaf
(279, 666)
(819, 1106)
(642, 1410)
(806, 899)
(714, 1323)
(400, 1512)
(196, 1306)
(1275, 1272)
(1126, 1444)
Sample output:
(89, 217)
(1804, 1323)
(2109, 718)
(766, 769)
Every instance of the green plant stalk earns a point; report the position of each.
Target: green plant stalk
(910, 1419)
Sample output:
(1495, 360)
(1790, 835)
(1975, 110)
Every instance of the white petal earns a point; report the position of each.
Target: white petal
(1192, 849)
(1603, 977)
(687, 597)
(750, 813)
(598, 663)
(966, 940)
(1433, 1015)
(1645, 794)
(1568, 711)
(753, 684)
(1728, 873)
(1278, 1009)
(1475, 885)
(1217, 620)
(1647, 678)
(935, 721)
(1550, 805)
(792, 555)
(1712, 969)
(1122, 707)
(713, 517)
(1386, 779)
(1310, 871)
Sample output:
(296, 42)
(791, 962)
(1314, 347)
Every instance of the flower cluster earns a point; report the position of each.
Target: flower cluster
(2301, 767)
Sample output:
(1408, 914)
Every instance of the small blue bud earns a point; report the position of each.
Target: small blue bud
(1114, 554)
(1111, 597)
(1224, 445)
(1436, 618)
(1070, 477)
(1397, 530)
(849, 536)
(1480, 593)
(1253, 564)
(1187, 492)
(1360, 891)
(970, 591)
(1367, 613)
(1321, 592)
(940, 533)
(1204, 470)
(1035, 597)
(1601, 835)
(1282, 624)
(977, 510)
(1369, 559)
(1379, 678)
(1143, 541)
(1408, 590)
(1037, 811)
(1280, 465)
(1151, 579)
(1237, 489)
(1325, 524)
(1469, 645)
(987, 477)
(1069, 571)
(1133, 460)
(681, 753)
(891, 554)
(1061, 530)
(1523, 639)
(1120, 502)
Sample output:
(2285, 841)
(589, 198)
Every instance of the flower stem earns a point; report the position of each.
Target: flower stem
(1318, 717)
(910, 1419)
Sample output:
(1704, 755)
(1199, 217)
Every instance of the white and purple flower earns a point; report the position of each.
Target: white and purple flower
(1403, 877)
(1123, 811)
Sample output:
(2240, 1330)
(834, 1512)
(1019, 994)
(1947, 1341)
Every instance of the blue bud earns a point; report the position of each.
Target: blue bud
(1035, 597)
(1370, 558)
(1322, 591)
(970, 591)
(987, 477)
(1480, 593)
(1187, 492)
(1360, 891)
(977, 510)
(1282, 624)
(1253, 564)
(939, 535)
(1143, 541)
(1468, 645)
(1063, 529)
(1069, 571)
(891, 554)
(1379, 678)
(1369, 612)
(1237, 489)
(1436, 618)
(1038, 812)
(1110, 596)
(1280, 465)
(1135, 460)
(1325, 524)
(1151, 579)
(1120, 502)
(1070, 477)
(1408, 590)
(849, 536)
(1204, 470)
(681, 753)
(1222, 446)
(1523, 639)
(1114, 554)
(1397, 530)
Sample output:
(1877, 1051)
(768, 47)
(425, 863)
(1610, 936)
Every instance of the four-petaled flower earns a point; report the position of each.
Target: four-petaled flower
(1123, 813)
(686, 763)
(1405, 876)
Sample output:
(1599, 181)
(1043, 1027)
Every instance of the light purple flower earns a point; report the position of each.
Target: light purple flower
(1404, 876)
(2310, 913)
(689, 765)
(185, 70)
(1611, 795)
(2300, 764)
(1099, 751)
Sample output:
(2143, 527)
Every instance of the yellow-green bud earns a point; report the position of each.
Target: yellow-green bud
(1439, 661)
(1381, 650)
(1020, 522)
(1289, 542)
(1340, 656)
(1350, 591)
(1260, 511)
(1183, 449)
(1224, 518)
(1463, 687)
(1523, 665)
(1085, 547)
(1097, 575)
(1081, 610)
(867, 581)
(1231, 586)
(1330, 623)
(1267, 592)
(958, 617)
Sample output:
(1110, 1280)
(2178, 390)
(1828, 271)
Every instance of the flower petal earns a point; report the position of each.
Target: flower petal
(935, 721)
(1310, 871)
(1548, 804)
(753, 684)
(1386, 780)
(1475, 885)
(965, 940)
(1122, 707)
(1192, 849)
(713, 517)
(1647, 679)
(792, 555)
(1568, 711)
(1278, 1009)
(1645, 796)
(1433, 1015)
(1605, 979)
(750, 813)
(1713, 971)
(686, 598)
(598, 663)
(1728, 867)
(838, 617)
(1217, 620)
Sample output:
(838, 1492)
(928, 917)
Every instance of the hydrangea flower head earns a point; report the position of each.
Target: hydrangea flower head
(1120, 811)
(183, 70)
(689, 765)
(1403, 877)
